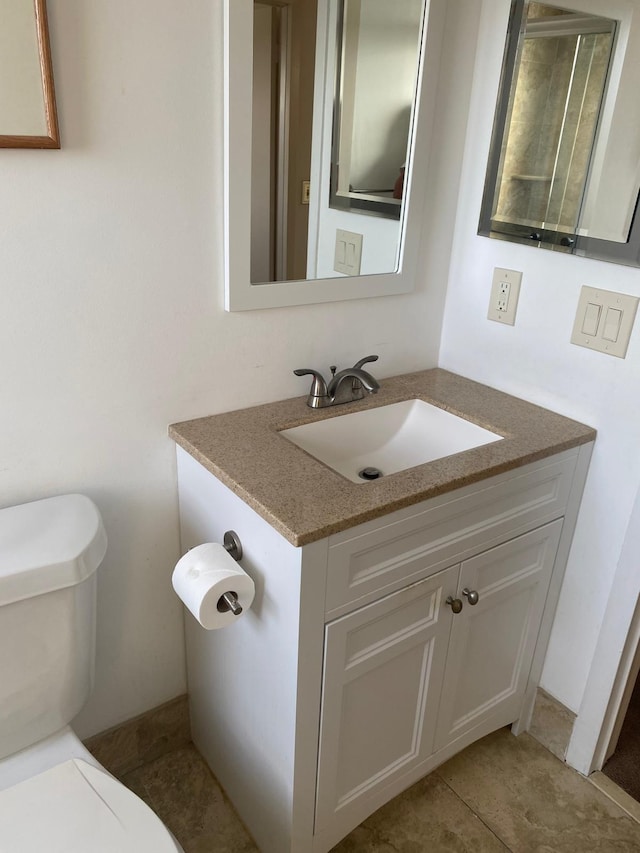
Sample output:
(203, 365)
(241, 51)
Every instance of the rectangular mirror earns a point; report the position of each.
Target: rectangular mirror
(564, 166)
(287, 240)
(27, 100)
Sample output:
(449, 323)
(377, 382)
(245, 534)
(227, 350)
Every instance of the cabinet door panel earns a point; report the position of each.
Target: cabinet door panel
(383, 663)
(492, 642)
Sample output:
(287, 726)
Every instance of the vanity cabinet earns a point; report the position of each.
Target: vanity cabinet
(351, 677)
(406, 676)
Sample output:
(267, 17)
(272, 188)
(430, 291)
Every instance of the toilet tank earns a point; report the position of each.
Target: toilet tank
(49, 553)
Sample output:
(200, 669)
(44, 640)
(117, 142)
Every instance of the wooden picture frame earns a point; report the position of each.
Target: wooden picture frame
(50, 136)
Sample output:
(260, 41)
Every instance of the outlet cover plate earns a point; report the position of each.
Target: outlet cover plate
(604, 321)
(505, 292)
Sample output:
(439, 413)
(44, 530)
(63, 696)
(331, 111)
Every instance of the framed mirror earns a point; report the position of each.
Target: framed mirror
(287, 242)
(27, 100)
(564, 165)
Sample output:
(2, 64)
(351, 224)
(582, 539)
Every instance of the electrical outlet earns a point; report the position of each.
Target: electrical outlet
(502, 302)
(505, 291)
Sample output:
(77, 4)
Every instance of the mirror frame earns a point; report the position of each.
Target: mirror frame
(52, 137)
(240, 293)
(627, 253)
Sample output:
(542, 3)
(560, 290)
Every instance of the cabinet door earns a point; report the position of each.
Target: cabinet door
(492, 642)
(383, 664)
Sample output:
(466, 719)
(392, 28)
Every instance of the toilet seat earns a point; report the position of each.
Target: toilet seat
(75, 807)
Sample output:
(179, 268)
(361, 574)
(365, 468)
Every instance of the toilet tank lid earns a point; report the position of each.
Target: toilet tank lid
(49, 544)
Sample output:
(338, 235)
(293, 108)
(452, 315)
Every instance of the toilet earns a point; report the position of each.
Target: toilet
(54, 795)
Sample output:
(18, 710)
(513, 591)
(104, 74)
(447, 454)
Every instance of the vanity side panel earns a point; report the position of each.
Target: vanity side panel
(553, 595)
(243, 679)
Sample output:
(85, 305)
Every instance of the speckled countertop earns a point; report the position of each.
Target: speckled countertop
(305, 500)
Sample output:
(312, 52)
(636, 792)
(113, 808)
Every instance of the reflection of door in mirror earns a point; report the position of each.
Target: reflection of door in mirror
(554, 111)
(283, 73)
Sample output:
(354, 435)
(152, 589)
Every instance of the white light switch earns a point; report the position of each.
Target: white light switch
(612, 324)
(604, 321)
(348, 252)
(591, 319)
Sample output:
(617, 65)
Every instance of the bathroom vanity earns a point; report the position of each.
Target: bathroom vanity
(395, 621)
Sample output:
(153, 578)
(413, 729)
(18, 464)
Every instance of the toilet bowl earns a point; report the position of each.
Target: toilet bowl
(54, 795)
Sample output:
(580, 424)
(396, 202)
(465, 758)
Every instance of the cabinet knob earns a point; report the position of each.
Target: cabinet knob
(455, 604)
(472, 595)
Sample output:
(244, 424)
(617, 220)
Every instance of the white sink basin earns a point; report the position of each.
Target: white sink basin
(390, 438)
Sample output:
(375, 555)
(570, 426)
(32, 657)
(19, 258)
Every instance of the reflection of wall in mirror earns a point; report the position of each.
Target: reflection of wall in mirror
(21, 93)
(381, 236)
(614, 184)
(384, 88)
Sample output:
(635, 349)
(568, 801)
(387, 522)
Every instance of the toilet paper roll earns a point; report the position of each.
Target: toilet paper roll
(203, 576)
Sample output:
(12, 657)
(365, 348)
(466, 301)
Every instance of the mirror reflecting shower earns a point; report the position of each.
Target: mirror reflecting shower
(538, 178)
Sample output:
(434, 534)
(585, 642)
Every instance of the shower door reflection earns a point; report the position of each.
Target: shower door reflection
(552, 121)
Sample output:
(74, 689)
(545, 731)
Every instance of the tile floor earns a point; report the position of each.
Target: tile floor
(501, 794)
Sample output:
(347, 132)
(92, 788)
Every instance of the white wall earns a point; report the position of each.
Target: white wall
(112, 324)
(535, 360)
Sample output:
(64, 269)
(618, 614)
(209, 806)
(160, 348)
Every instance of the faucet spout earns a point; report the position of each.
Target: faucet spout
(359, 376)
(337, 392)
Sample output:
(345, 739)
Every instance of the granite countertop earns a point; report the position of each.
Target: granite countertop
(304, 500)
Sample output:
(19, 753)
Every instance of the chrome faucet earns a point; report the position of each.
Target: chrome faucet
(338, 390)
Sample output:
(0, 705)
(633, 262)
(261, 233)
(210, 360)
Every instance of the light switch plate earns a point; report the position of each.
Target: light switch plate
(604, 321)
(505, 292)
(348, 256)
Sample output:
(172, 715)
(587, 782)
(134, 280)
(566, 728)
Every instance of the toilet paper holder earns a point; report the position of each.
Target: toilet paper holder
(232, 544)
(229, 601)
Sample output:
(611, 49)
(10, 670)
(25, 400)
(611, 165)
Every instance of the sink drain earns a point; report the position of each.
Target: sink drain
(370, 474)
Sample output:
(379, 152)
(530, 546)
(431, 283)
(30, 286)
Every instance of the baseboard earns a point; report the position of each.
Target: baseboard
(136, 742)
(552, 724)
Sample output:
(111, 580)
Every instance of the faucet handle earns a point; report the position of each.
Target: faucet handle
(365, 360)
(356, 386)
(318, 386)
